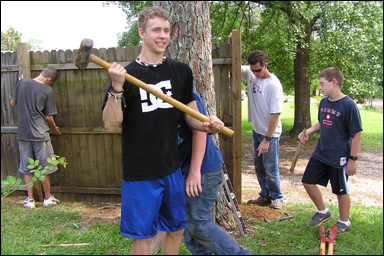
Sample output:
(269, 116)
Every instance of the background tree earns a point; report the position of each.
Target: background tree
(304, 37)
(35, 44)
(10, 39)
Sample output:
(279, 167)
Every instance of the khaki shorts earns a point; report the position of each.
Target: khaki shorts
(40, 150)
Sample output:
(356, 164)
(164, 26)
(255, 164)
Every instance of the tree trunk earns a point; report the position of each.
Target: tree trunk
(302, 76)
(191, 43)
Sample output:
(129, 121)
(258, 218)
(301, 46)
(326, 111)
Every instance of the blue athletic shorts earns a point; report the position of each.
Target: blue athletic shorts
(320, 173)
(37, 150)
(151, 205)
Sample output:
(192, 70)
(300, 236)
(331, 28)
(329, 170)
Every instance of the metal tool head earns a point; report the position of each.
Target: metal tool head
(82, 55)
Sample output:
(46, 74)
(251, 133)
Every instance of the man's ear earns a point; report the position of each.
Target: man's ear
(141, 33)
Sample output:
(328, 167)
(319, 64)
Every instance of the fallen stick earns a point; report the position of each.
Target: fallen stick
(64, 245)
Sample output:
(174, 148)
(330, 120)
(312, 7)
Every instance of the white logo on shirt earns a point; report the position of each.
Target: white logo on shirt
(152, 103)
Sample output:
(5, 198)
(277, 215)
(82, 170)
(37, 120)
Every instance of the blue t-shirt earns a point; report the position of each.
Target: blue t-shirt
(212, 157)
(339, 122)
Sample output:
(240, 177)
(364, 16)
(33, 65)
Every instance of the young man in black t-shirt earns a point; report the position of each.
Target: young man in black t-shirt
(152, 192)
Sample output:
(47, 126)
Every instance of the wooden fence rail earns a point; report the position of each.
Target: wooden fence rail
(93, 173)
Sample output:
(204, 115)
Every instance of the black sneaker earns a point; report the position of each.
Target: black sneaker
(319, 218)
(341, 227)
(260, 201)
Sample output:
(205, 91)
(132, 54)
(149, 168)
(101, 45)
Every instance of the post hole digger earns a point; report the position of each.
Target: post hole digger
(84, 55)
(331, 239)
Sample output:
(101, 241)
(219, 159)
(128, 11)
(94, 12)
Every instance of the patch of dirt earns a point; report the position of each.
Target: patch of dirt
(255, 212)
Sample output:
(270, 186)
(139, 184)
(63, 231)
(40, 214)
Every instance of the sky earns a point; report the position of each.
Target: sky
(61, 25)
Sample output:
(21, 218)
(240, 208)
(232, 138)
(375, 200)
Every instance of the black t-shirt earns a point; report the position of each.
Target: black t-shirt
(149, 128)
(339, 122)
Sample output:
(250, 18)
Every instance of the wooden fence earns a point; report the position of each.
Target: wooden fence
(94, 170)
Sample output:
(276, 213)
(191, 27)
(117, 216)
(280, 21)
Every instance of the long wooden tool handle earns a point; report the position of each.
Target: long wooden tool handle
(64, 245)
(293, 165)
(177, 104)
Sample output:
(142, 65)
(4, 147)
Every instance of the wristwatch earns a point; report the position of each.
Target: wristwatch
(267, 138)
(354, 158)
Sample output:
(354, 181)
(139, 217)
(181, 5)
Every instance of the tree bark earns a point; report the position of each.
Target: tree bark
(302, 76)
(191, 43)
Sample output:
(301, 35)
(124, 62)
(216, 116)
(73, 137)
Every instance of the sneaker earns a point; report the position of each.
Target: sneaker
(319, 218)
(277, 204)
(260, 201)
(341, 227)
(29, 203)
(50, 201)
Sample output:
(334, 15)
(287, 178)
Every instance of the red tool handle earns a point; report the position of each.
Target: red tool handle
(322, 239)
(331, 239)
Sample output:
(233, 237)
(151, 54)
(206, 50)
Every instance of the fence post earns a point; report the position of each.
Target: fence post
(25, 72)
(23, 58)
(236, 108)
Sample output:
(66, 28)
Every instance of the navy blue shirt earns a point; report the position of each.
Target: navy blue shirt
(339, 122)
(212, 158)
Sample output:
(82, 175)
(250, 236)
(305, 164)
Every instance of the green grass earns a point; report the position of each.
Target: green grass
(295, 237)
(24, 232)
(372, 121)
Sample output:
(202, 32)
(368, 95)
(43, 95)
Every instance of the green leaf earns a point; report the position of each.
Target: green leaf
(34, 178)
(31, 167)
(4, 182)
(41, 178)
(37, 173)
(18, 181)
(30, 160)
(11, 179)
(30, 185)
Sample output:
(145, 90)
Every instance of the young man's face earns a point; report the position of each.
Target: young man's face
(258, 70)
(156, 34)
(326, 86)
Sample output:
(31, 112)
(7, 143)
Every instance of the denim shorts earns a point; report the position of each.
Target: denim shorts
(37, 150)
(151, 205)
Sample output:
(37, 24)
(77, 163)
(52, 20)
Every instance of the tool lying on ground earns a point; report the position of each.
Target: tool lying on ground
(299, 145)
(64, 245)
(234, 203)
(280, 219)
(84, 55)
(331, 240)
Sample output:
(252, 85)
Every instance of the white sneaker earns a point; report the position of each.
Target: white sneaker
(29, 203)
(50, 201)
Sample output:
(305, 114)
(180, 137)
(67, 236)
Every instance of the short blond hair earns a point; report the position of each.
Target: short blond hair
(149, 13)
(332, 73)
